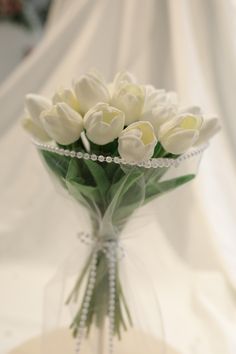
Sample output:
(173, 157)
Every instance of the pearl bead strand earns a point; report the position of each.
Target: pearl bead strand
(152, 163)
(86, 302)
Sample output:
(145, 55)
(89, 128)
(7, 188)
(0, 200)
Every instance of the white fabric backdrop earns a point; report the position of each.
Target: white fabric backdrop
(181, 45)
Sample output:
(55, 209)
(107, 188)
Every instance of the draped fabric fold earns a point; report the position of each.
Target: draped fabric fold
(181, 45)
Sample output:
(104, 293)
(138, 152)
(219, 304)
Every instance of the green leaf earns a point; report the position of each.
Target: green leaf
(87, 195)
(159, 151)
(125, 183)
(157, 189)
(111, 169)
(57, 163)
(127, 194)
(99, 176)
(74, 172)
(118, 174)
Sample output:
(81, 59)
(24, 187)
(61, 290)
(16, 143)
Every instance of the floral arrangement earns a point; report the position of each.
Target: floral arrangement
(112, 147)
(140, 121)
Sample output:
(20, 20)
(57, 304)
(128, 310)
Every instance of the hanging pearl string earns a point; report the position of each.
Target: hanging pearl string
(86, 301)
(152, 163)
(111, 257)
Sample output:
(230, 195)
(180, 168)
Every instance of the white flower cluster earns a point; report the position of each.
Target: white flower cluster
(138, 115)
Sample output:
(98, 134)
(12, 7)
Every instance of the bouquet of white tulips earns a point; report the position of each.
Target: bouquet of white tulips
(114, 147)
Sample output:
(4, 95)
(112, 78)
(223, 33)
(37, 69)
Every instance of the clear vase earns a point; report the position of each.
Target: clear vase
(103, 300)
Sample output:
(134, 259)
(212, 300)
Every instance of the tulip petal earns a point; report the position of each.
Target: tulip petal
(89, 91)
(103, 123)
(121, 78)
(129, 98)
(62, 123)
(137, 142)
(34, 129)
(196, 110)
(35, 104)
(66, 95)
(210, 127)
(179, 141)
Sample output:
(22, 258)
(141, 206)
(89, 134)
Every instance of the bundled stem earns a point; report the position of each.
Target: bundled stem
(98, 309)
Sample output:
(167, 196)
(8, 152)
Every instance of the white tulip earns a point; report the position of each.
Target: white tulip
(159, 116)
(129, 98)
(180, 133)
(103, 123)
(90, 90)
(210, 127)
(34, 129)
(66, 95)
(137, 142)
(155, 97)
(35, 104)
(159, 107)
(62, 123)
(123, 77)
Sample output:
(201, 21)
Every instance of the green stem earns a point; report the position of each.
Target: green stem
(75, 290)
(98, 307)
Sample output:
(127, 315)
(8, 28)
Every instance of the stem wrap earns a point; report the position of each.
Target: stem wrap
(113, 252)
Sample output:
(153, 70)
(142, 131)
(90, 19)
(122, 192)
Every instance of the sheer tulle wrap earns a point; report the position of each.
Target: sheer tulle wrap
(103, 292)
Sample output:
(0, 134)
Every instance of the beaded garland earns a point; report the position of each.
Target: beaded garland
(152, 163)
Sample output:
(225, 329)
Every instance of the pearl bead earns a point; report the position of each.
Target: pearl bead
(83, 317)
(79, 155)
(166, 162)
(154, 164)
(89, 292)
(116, 159)
(86, 305)
(108, 159)
(93, 157)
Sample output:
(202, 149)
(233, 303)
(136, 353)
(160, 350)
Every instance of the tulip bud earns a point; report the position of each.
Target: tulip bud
(137, 142)
(35, 104)
(90, 90)
(130, 99)
(62, 123)
(210, 127)
(35, 129)
(123, 77)
(159, 107)
(103, 123)
(154, 97)
(180, 133)
(67, 96)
